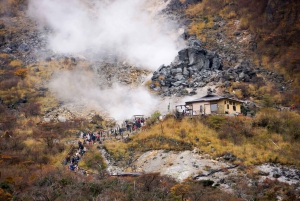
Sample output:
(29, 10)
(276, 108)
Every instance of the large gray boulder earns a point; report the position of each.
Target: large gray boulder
(195, 56)
(185, 72)
(183, 55)
(216, 63)
(62, 119)
(191, 62)
(179, 77)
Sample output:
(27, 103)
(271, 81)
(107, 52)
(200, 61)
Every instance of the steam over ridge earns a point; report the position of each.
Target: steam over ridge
(121, 27)
(121, 102)
(124, 28)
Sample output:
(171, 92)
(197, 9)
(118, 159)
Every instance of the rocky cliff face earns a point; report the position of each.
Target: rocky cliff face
(201, 63)
(193, 67)
(196, 67)
(225, 57)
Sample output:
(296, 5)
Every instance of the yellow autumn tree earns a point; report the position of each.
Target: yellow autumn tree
(180, 190)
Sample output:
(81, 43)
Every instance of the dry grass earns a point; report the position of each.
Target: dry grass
(195, 10)
(45, 73)
(3, 55)
(22, 88)
(30, 142)
(118, 150)
(262, 147)
(21, 72)
(16, 63)
(47, 102)
(244, 23)
(277, 41)
(92, 159)
(239, 94)
(57, 159)
(25, 125)
(196, 28)
(232, 15)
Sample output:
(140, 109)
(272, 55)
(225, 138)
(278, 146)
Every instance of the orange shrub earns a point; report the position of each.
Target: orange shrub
(21, 72)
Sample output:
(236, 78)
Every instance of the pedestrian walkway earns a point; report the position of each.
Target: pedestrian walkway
(79, 147)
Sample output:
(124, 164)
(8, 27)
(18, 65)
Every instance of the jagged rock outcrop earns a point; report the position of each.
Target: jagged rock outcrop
(195, 67)
(192, 67)
(242, 72)
(177, 4)
(278, 171)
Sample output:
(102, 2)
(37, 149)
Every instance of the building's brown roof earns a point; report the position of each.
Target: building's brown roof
(211, 97)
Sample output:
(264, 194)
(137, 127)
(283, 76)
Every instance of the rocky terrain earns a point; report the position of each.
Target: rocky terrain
(220, 62)
(223, 58)
(191, 164)
(195, 67)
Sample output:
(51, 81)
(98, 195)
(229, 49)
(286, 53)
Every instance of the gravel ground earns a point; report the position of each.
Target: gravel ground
(180, 165)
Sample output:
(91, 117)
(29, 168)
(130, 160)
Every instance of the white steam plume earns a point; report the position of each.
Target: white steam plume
(121, 102)
(121, 27)
(124, 28)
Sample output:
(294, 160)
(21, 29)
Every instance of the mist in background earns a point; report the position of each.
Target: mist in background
(120, 102)
(124, 28)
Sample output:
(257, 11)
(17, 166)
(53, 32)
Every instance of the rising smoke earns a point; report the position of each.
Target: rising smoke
(119, 27)
(120, 102)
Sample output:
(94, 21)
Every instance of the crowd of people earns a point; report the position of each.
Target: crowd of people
(91, 138)
(136, 123)
(72, 161)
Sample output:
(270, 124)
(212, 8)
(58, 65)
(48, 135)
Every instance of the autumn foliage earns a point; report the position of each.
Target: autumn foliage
(21, 72)
(275, 26)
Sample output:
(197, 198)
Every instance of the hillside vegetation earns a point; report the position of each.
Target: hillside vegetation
(32, 149)
(275, 28)
(271, 137)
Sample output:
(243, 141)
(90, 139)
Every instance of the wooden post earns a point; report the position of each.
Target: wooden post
(134, 185)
